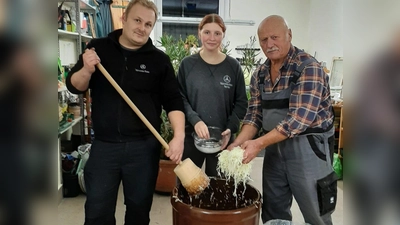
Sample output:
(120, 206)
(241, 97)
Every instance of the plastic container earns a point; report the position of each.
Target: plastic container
(75, 109)
(71, 186)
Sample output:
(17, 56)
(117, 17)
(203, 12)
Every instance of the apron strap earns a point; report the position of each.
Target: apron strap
(300, 69)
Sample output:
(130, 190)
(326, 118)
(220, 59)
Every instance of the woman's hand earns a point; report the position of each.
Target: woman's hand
(201, 130)
(226, 136)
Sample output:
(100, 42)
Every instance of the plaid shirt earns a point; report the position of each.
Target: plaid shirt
(309, 103)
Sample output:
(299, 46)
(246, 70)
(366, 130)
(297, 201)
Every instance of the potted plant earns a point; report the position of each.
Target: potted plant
(191, 41)
(176, 50)
(249, 61)
(224, 48)
(166, 180)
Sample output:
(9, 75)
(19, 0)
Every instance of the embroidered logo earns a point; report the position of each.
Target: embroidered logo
(142, 69)
(227, 81)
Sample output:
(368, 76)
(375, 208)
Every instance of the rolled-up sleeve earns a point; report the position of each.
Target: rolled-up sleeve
(254, 111)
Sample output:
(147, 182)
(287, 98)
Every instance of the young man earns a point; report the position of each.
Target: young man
(124, 149)
(292, 104)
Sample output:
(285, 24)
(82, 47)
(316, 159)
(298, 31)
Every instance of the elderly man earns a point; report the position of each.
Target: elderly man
(290, 101)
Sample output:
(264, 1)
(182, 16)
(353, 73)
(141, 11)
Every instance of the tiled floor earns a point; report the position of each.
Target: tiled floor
(71, 211)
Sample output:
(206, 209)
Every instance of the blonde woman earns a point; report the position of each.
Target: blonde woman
(213, 90)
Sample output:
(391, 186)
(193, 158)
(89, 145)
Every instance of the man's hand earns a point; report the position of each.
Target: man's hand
(201, 130)
(251, 149)
(177, 119)
(247, 132)
(232, 145)
(226, 136)
(175, 150)
(90, 60)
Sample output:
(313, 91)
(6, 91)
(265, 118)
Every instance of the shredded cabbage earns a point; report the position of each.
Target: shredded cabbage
(230, 165)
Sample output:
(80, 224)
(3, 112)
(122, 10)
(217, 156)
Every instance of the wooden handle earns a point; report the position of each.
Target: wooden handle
(132, 105)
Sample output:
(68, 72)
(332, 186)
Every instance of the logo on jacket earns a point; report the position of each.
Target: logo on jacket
(142, 69)
(227, 81)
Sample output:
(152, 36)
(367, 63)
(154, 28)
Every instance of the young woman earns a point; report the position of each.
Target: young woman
(213, 90)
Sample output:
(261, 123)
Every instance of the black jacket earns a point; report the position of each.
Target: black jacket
(146, 76)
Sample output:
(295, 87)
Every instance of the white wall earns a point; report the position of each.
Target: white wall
(326, 29)
(317, 25)
(294, 11)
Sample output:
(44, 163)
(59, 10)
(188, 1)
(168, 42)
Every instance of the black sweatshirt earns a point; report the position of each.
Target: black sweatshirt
(146, 76)
(214, 94)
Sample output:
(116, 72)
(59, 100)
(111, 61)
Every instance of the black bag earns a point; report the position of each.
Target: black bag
(327, 193)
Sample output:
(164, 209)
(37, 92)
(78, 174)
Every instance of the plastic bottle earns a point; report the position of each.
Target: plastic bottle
(84, 27)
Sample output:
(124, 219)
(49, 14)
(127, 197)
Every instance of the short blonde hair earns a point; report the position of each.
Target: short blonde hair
(146, 3)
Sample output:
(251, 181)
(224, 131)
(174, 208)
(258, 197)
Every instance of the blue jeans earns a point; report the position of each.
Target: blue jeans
(136, 165)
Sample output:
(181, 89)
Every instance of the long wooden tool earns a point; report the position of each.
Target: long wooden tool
(133, 106)
(193, 179)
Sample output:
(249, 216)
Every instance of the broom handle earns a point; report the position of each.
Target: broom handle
(133, 106)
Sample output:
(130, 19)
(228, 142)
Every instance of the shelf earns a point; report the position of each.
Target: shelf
(67, 34)
(63, 88)
(62, 129)
(119, 6)
(70, 47)
(73, 35)
(82, 5)
(86, 38)
(242, 49)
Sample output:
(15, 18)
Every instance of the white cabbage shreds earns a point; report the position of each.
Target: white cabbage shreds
(230, 165)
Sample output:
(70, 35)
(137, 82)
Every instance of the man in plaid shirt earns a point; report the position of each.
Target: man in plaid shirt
(290, 101)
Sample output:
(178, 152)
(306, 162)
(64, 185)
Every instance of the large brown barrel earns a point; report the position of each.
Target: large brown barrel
(186, 213)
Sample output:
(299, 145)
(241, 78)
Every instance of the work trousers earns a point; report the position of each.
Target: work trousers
(292, 168)
(136, 165)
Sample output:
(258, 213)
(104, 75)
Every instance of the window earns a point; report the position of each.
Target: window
(180, 30)
(181, 18)
(189, 8)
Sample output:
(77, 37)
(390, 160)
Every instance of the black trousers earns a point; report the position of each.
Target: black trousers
(198, 157)
(133, 163)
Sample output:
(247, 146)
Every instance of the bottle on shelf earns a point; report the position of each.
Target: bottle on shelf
(84, 25)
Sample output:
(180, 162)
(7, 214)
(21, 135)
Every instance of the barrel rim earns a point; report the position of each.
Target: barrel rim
(175, 201)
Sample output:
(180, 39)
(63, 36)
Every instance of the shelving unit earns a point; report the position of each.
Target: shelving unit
(67, 34)
(61, 89)
(70, 47)
(63, 128)
(83, 6)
